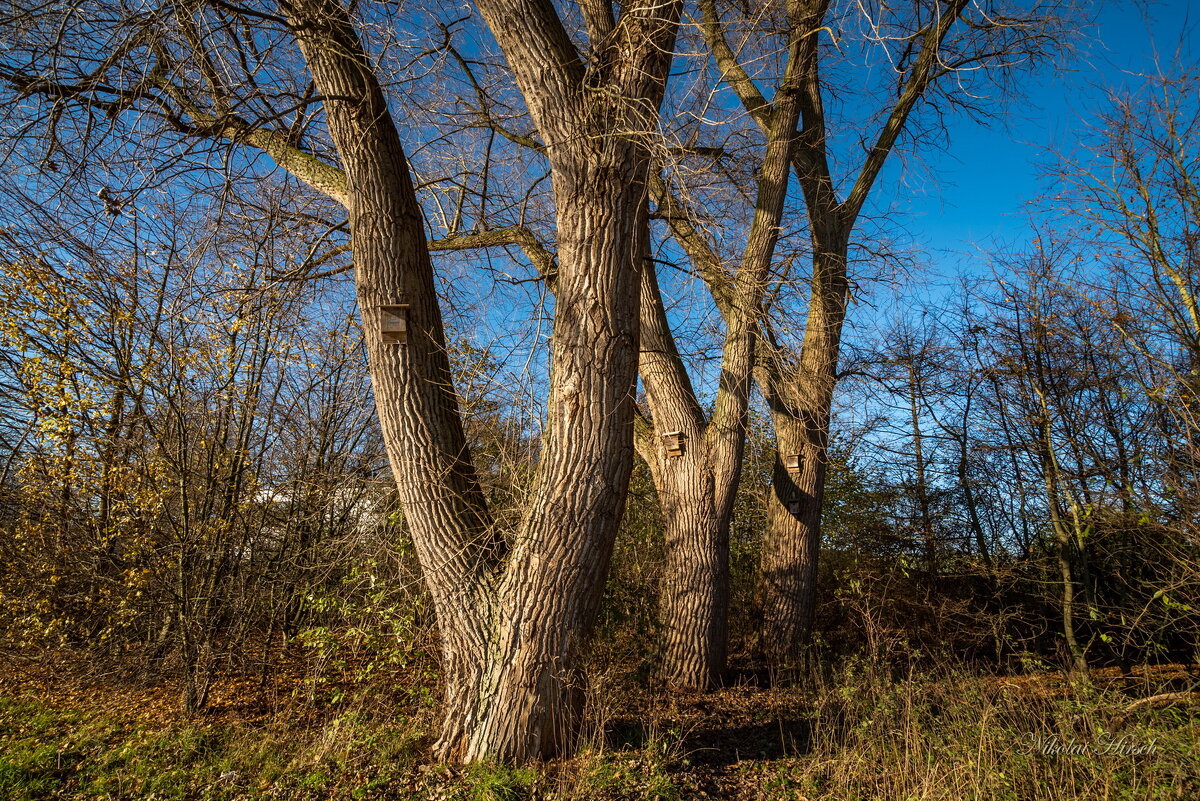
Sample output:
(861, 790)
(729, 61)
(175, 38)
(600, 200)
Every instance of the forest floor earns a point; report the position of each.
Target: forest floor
(69, 730)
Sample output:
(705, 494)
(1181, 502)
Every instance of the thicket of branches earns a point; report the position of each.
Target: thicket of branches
(194, 477)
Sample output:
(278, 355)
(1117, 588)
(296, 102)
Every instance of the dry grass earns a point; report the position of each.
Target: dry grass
(857, 731)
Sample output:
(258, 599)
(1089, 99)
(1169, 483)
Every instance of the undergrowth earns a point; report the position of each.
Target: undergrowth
(855, 733)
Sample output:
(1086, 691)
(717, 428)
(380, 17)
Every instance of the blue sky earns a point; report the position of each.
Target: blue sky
(992, 172)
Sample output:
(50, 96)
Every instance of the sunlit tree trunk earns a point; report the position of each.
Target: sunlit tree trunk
(695, 504)
(698, 482)
(512, 615)
(800, 397)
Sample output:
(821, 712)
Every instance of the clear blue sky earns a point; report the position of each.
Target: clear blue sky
(992, 172)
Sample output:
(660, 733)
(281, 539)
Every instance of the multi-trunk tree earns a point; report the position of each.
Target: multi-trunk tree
(926, 50)
(513, 606)
(696, 458)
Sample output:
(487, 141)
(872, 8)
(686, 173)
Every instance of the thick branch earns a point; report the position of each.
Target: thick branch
(598, 16)
(546, 64)
(919, 78)
(537, 253)
(732, 71)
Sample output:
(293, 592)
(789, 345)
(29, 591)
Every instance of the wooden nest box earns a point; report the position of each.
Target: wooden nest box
(792, 462)
(793, 507)
(393, 323)
(673, 443)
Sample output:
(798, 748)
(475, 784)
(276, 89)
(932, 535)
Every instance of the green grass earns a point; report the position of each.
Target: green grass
(488, 782)
(953, 737)
(51, 754)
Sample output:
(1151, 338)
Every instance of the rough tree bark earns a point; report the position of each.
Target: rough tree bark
(800, 400)
(695, 587)
(513, 607)
(512, 618)
(456, 543)
(697, 487)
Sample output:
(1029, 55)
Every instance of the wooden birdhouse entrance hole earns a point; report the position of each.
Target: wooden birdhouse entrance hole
(673, 442)
(393, 323)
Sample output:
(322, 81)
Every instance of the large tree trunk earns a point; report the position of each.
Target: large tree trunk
(697, 487)
(787, 591)
(800, 401)
(413, 387)
(528, 700)
(546, 602)
(512, 615)
(696, 504)
(694, 598)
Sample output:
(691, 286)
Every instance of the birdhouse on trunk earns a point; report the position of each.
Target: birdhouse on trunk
(793, 507)
(673, 442)
(792, 462)
(393, 324)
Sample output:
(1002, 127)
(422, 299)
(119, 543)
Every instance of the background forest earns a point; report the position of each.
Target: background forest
(250, 545)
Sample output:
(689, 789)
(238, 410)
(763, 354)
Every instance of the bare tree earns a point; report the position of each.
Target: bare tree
(928, 46)
(1041, 366)
(1131, 192)
(513, 607)
(694, 458)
